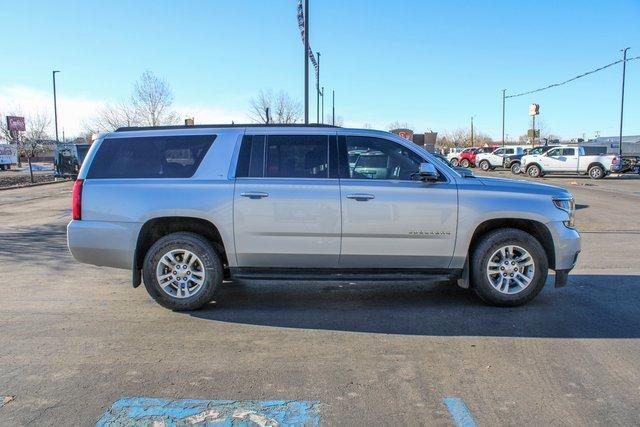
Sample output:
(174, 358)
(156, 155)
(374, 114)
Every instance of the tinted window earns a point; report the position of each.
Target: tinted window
(554, 152)
(509, 151)
(150, 157)
(251, 157)
(376, 158)
(568, 151)
(297, 156)
(499, 151)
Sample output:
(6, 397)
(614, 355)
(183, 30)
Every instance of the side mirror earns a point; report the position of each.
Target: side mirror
(428, 172)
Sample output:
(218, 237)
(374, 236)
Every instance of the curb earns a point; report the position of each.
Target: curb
(37, 184)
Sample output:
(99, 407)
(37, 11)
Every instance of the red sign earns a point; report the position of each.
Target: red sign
(15, 124)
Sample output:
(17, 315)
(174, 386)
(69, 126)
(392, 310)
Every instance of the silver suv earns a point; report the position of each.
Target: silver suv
(185, 207)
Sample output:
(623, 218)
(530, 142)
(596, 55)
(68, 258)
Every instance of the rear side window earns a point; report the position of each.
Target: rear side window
(150, 157)
(568, 151)
(284, 156)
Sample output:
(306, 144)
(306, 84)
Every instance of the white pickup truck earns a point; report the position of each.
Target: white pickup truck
(8, 156)
(566, 159)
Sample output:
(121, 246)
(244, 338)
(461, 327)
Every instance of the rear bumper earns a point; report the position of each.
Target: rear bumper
(102, 243)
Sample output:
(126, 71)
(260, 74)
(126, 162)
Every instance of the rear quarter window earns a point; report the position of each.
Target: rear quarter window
(150, 157)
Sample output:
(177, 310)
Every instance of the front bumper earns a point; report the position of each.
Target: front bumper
(566, 242)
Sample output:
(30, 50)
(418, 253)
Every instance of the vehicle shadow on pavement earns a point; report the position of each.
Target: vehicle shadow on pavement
(37, 244)
(590, 306)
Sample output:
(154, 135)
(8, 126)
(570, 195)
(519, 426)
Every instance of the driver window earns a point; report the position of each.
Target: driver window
(377, 158)
(554, 153)
(498, 152)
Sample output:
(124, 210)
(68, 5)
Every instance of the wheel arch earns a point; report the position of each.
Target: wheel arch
(156, 228)
(535, 228)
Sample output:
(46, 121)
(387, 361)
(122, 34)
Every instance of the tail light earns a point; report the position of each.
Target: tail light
(76, 199)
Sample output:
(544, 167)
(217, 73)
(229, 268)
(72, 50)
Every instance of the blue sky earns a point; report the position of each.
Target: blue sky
(431, 64)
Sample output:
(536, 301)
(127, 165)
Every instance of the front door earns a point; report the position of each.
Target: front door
(389, 218)
(286, 203)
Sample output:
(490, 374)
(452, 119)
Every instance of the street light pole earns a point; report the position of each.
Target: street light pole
(322, 104)
(333, 108)
(472, 131)
(306, 62)
(503, 99)
(318, 90)
(55, 104)
(624, 67)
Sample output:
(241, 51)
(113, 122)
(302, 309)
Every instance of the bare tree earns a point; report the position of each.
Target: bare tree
(461, 137)
(34, 140)
(282, 108)
(149, 105)
(152, 100)
(111, 117)
(400, 125)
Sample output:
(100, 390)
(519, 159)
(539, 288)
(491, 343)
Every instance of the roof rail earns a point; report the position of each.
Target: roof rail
(253, 125)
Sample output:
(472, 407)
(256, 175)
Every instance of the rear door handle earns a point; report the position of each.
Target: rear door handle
(361, 197)
(254, 194)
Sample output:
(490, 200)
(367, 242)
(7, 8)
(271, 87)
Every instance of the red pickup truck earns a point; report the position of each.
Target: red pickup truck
(468, 157)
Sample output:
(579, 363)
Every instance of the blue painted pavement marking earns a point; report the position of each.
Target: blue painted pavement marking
(145, 411)
(459, 412)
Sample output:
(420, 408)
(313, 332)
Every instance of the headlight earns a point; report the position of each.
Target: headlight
(569, 206)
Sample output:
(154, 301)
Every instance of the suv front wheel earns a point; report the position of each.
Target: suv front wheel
(508, 267)
(182, 271)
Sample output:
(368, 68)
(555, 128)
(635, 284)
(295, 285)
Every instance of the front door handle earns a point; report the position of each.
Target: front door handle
(254, 194)
(361, 197)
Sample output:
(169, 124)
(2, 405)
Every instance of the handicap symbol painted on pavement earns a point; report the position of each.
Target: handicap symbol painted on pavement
(144, 411)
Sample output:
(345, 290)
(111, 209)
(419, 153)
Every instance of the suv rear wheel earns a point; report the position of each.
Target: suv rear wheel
(465, 163)
(515, 168)
(508, 267)
(453, 162)
(182, 271)
(484, 165)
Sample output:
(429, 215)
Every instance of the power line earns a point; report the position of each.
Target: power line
(572, 79)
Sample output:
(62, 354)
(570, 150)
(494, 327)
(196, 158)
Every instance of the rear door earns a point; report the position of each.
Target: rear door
(389, 218)
(287, 202)
(569, 159)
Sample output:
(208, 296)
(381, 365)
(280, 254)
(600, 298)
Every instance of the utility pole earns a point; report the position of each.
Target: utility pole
(55, 104)
(503, 99)
(472, 131)
(333, 108)
(533, 136)
(306, 62)
(322, 93)
(624, 66)
(318, 90)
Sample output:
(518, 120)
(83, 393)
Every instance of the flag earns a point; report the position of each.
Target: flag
(302, 30)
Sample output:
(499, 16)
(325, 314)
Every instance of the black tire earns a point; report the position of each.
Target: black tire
(453, 162)
(464, 163)
(484, 165)
(202, 249)
(596, 172)
(485, 248)
(534, 171)
(515, 168)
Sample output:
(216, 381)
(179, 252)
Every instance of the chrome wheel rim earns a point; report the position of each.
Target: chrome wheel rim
(596, 172)
(533, 171)
(180, 273)
(515, 169)
(510, 269)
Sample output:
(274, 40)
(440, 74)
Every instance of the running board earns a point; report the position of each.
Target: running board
(344, 274)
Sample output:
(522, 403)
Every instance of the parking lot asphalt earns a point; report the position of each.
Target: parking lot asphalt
(76, 338)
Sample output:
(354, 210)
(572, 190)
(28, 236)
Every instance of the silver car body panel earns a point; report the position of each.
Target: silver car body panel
(310, 223)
